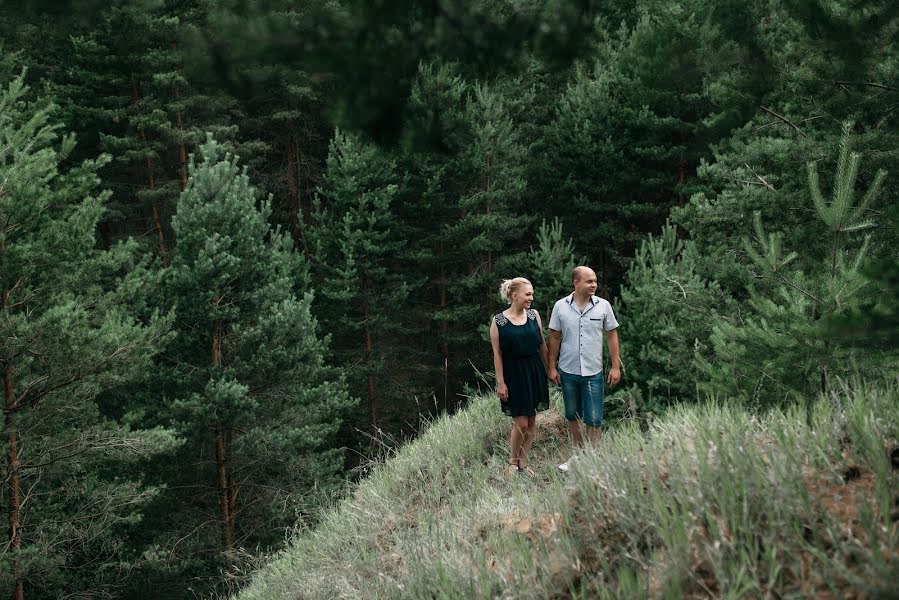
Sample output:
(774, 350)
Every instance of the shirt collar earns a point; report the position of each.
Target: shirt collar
(570, 299)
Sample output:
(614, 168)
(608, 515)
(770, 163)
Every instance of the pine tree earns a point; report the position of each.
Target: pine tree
(432, 146)
(636, 121)
(813, 81)
(874, 323)
(358, 258)
(282, 107)
(68, 333)
(670, 311)
(484, 240)
(124, 83)
(549, 266)
(606, 169)
(249, 384)
(781, 349)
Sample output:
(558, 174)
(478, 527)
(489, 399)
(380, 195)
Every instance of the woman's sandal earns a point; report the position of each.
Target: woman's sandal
(516, 469)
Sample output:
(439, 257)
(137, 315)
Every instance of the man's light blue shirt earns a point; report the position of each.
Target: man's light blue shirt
(581, 351)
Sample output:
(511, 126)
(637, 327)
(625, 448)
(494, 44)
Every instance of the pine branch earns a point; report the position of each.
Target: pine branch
(760, 178)
(866, 84)
(784, 119)
(857, 226)
(814, 186)
(873, 191)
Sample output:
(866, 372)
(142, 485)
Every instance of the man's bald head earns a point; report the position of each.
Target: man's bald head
(581, 272)
(584, 281)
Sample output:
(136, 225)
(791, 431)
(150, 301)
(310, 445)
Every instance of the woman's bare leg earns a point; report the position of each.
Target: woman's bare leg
(527, 442)
(517, 439)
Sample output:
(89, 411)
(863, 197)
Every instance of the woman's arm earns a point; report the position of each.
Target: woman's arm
(501, 388)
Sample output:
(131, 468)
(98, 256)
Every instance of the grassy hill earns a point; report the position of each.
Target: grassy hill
(709, 501)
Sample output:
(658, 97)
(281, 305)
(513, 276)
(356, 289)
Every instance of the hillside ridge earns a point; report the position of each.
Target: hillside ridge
(709, 500)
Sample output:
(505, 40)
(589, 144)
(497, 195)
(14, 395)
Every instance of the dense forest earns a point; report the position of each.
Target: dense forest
(245, 246)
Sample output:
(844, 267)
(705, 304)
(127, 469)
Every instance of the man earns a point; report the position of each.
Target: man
(577, 325)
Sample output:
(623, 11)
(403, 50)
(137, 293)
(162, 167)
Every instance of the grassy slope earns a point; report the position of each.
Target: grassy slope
(711, 501)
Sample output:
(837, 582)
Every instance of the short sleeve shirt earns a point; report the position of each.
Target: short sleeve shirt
(581, 351)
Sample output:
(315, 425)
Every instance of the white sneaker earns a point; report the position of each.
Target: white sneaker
(569, 464)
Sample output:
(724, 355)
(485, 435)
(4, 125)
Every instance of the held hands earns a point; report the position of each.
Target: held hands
(503, 391)
(614, 376)
(553, 375)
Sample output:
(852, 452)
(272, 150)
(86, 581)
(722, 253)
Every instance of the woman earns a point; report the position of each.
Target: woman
(519, 358)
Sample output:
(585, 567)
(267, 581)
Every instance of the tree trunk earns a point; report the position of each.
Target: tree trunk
(489, 252)
(293, 187)
(444, 329)
(681, 174)
(227, 490)
(13, 467)
(369, 352)
(372, 401)
(232, 491)
(223, 489)
(487, 189)
(604, 274)
(151, 182)
(182, 150)
(157, 224)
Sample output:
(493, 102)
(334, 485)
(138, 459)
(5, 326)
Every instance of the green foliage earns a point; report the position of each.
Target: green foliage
(840, 214)
(357, 255)
(355, 39)
(631, 127)
(874, 322)
(247, 375)
(69, 332)
(482, 240)
(463, 127)
(488, 224)
(549, 266)
(780, 348)
(670, 311)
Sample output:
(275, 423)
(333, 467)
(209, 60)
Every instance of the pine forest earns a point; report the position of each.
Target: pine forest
(250, 253)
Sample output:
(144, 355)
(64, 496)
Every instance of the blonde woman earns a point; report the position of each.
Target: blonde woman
(520, 359)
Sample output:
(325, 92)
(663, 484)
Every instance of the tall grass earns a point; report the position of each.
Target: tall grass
(709, 501)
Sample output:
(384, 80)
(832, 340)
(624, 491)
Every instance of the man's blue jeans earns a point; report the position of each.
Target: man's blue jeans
(583, 396)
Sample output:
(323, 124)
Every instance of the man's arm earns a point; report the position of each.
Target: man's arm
(555, 340)
(544, 350)
(615, 371)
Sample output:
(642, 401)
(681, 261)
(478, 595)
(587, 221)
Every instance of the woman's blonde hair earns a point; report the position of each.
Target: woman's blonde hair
(510, 286)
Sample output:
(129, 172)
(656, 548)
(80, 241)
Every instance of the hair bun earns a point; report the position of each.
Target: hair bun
(510, 286)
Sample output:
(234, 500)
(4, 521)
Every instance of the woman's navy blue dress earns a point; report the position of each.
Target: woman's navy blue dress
(523, 368)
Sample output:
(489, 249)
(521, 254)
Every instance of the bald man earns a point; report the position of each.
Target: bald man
(576, 327)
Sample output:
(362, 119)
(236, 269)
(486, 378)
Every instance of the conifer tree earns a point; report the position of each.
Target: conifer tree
(782, 348)
(632, 126)
(250, 386)
(484, 240)
(549, 266)
(606, 169)
(358, 257)
(670, 310)
(432, 148)
(874, 323)
(68, 333)
(281, 107)
(124, 81)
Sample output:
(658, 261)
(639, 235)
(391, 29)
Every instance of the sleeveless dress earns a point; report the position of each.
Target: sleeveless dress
(523, 368)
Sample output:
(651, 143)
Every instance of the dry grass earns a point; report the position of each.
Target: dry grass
(710, 502)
